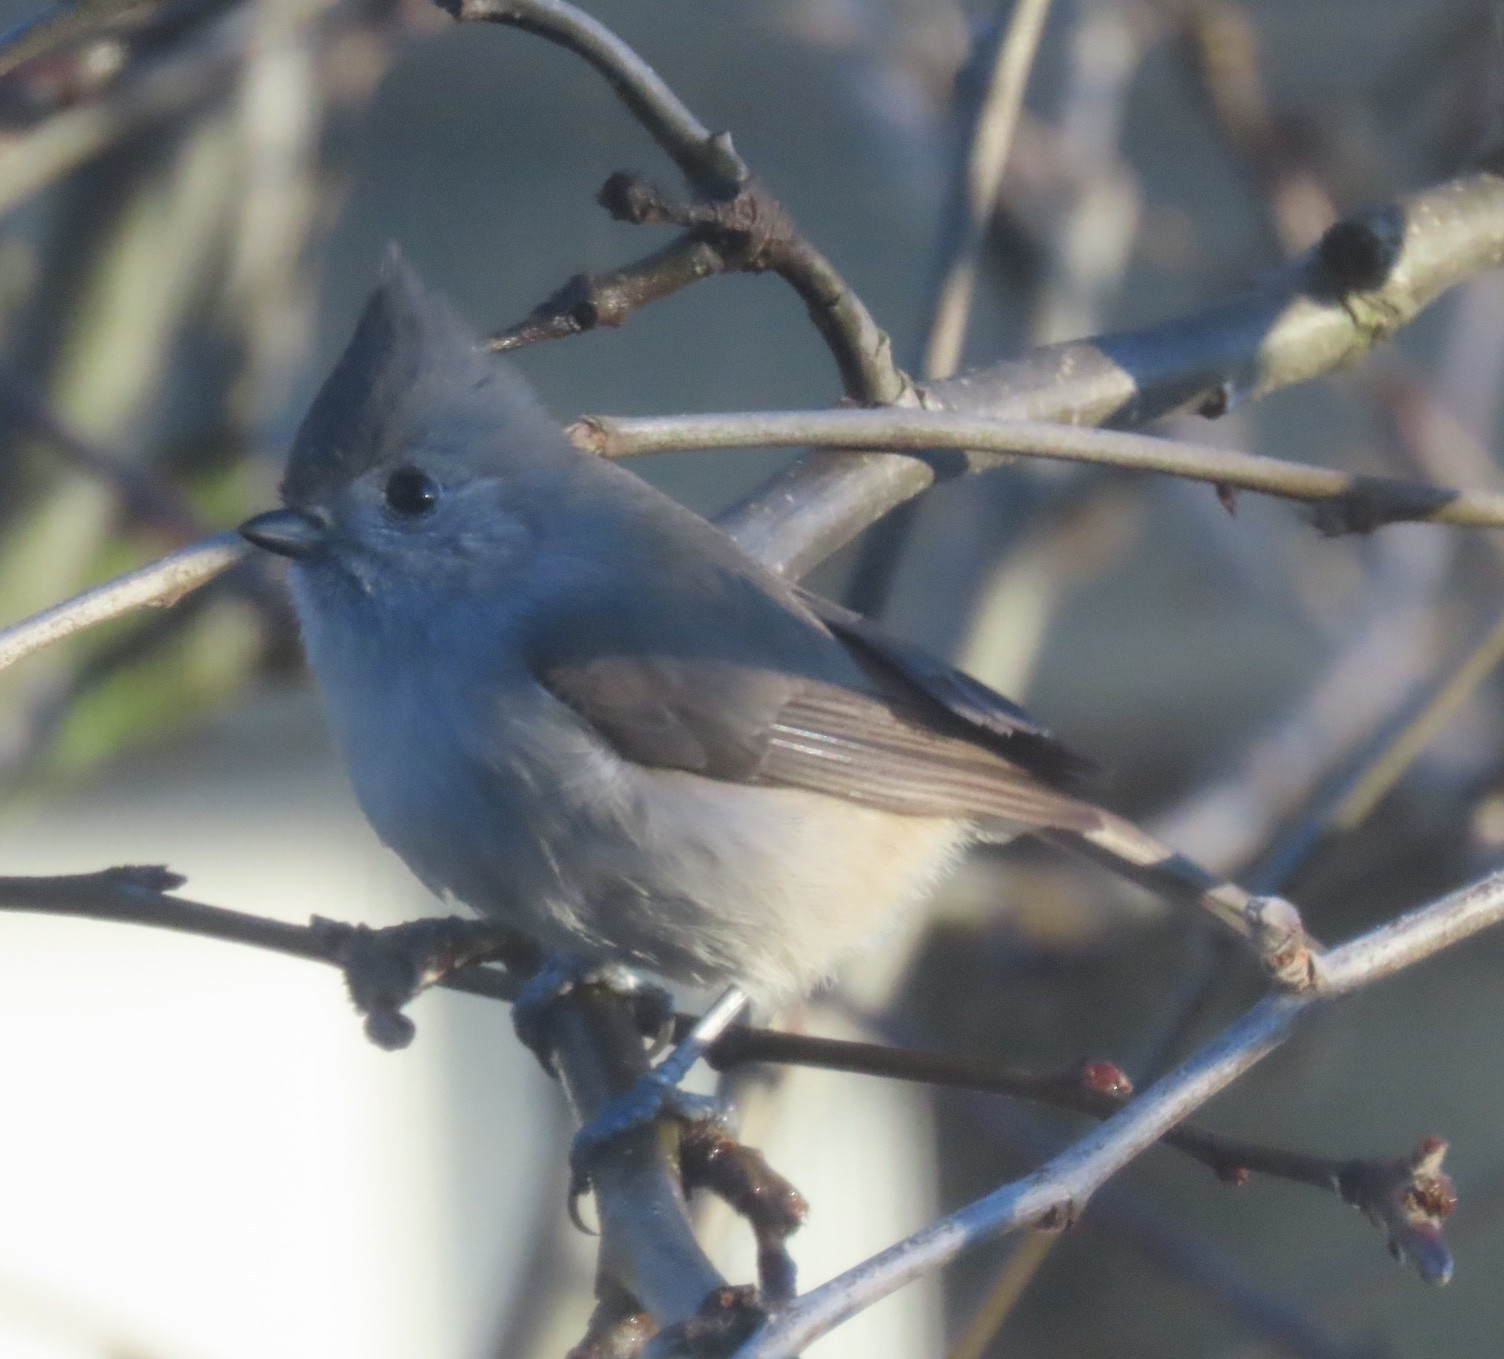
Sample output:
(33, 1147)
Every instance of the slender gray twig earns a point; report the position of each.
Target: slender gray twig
(160, 583)
(706, 159)
(986, 159)
(735, 224)
(749, 232)
(1055, 1193)
(1346, 501)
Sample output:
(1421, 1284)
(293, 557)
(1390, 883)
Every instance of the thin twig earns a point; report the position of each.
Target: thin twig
(1055, 1193)
(706, 159)
(587, 301)
(986, 159)
(749, 232)
(1350, 1304)
(734, 217)
(378, 969)
(1346, 502)
(385, 968)
(158, 584)
(1097, 1089)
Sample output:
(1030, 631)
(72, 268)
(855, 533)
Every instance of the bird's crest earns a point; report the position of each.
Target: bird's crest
(410, 349)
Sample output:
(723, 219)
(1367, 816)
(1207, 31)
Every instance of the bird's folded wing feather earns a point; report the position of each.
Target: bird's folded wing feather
(969, 707)
(744, 724)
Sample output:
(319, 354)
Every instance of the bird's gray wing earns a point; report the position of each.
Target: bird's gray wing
(955, 700)
(901, 731)
(741, 723)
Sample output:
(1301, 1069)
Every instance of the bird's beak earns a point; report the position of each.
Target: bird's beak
(288, 533)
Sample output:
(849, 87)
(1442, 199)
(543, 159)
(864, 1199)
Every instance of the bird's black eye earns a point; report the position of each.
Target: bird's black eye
(410, 492)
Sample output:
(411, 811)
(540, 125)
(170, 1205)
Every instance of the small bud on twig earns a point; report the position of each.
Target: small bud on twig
(1409, 1197)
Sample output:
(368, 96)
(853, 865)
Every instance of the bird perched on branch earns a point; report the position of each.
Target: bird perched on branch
(573, 705)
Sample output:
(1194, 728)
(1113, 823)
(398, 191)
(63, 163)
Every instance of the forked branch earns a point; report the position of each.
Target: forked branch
(734, 224)
(1369, 276)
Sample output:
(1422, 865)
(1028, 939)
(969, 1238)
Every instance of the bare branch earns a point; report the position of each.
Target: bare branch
(1345, 502)
(1095, 1088)
(706, 159)
(1369, 276)
(647, 1242)
(986, 159)
(1055, 1193)
(158, 584)
(590, 300)
(384, 969)
(734, 217)
(748, 233)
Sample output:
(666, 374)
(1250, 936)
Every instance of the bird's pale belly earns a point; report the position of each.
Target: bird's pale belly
(695, 879)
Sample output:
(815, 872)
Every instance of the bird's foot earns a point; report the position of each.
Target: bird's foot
(386, 968)
(710, 1158)
(656, 1093)
(652, 1006)
(654, 1096)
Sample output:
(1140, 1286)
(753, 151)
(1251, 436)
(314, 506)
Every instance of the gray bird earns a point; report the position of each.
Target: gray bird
(572, 704)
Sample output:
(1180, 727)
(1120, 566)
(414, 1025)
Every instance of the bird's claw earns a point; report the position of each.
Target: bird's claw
(653, 1008)
(652, 1097)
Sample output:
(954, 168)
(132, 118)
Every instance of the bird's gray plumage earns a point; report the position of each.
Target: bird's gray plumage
(567, 700)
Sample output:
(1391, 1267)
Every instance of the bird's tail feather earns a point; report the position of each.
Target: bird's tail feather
(1268, 925)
